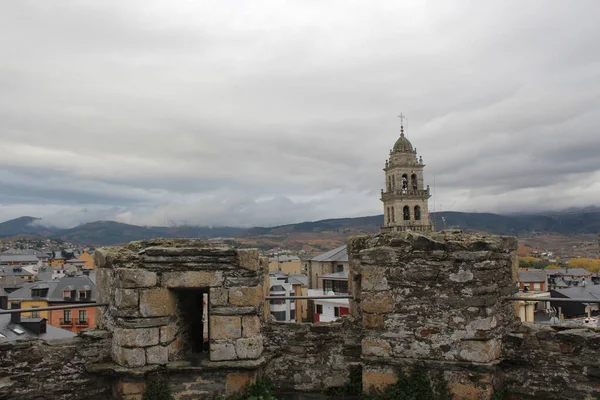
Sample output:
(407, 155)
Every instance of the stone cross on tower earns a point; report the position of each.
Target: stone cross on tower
(405, 199)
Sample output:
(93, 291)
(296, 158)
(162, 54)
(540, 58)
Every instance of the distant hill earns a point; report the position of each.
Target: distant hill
(103, 233)
(317, 235)
(22, 226)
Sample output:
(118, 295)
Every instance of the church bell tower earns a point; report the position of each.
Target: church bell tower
(405, 196)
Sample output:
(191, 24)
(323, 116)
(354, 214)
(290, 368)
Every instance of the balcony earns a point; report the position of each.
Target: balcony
(65, 322)
(405, 194)
(82, 322)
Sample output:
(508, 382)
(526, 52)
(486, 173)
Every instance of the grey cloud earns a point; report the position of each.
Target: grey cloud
(201, 111)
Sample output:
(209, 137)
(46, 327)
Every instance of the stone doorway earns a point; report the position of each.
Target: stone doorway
(192, 305)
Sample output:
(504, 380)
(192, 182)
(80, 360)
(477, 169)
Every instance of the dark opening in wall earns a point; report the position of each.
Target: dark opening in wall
(193, 305)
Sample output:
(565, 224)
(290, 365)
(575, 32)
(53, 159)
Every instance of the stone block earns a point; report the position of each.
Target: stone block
(372, 321)
(236, 381)
(374, 279)
(376, 347)
(167, 334)
(248, 259)
(157, 355)
(176, 348)
(130, 387)
(126, 298)
(218, 296)
(480, 351)
(377, 303)
(225, 327)
(222, 351)
(157, 303)
(378, 379)
(100, 257)
(126, 357)
(136, 337)
(131, 278)
(136, 323)
(245, 296)
(103, 284)
(250, 326)
(249, 348)
(192, 279)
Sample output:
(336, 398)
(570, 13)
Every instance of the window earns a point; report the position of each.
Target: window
(83, 317)
(339, 268)
(35, 314)
(67, 316)
(336, 311)
(417, 213)
(406, 213)
(413, 181)
(393, 215)
(83, 294)
(389, 215)
(319, 309)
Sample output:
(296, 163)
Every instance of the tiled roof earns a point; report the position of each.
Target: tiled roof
(338, 254)
(56, 288)
(535, 275)
(9, 330)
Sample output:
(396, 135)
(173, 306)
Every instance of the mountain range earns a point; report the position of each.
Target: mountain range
(319, 233)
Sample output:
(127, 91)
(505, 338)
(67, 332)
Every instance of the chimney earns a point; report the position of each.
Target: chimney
(4, 302)
(15, 318)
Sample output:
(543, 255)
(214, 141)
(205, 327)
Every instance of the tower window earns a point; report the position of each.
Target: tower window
(389, 215)
(413, 181)
(389, 184)
(393, 215)
(417, 213)
(406, 213)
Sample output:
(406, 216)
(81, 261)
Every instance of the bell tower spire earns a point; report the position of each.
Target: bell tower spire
(405, 199)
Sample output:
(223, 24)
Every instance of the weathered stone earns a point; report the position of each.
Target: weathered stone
(136, 323)
(191, 279)
(126, 298)
(167, 334)
(248, 259)
(224, 327)
(131, 278)
(249, 348)
(245, 296)
(218, 296)
(372, 321)
(103, 284)
(222, 351)
(376, 347)
(218, 310)
(250, 326)
(378, 379)
(378, 302)
(157, 355)
(130, 387)
(136, 337)
(157, 303)
(237, 380)
(374, 279)
(100, 257)
(134, 357)
(176, 348)
(480, 351)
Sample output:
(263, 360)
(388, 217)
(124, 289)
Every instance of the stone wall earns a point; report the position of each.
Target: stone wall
(52, 370)
(311, 357)
(552, 362)
(433, 300)
(153, 289)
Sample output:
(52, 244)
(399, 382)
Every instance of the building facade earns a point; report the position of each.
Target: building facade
(405, 195)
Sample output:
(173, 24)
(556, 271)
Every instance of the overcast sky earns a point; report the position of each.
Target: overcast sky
(247, 113)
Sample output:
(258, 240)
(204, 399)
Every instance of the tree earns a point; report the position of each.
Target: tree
(591, 264)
